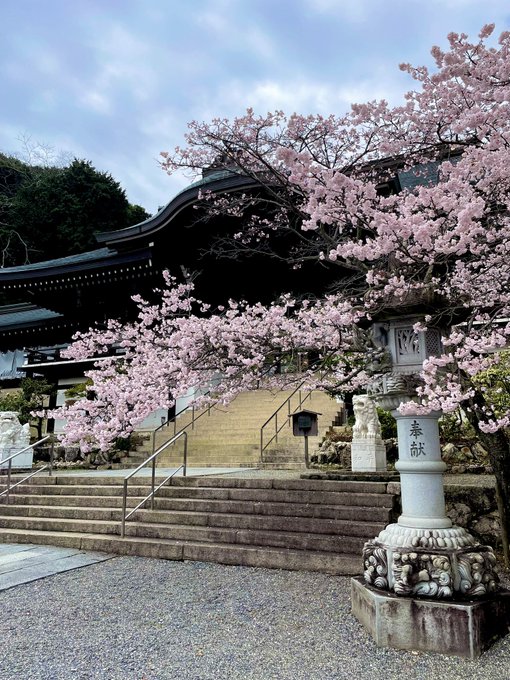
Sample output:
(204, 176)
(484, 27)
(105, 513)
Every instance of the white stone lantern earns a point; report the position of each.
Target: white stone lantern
(406, 350)
(409, 348)
(422, 555)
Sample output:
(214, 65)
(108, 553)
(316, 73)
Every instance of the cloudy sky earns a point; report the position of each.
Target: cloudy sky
(116, 81)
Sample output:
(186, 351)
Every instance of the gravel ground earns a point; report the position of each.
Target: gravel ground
(143, 619)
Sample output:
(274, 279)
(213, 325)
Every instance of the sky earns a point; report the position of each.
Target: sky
(116, 82)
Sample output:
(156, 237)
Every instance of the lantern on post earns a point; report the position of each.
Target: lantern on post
(422, 554)
(305, 424)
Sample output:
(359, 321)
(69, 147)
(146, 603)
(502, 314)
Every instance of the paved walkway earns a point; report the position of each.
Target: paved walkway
(144, 472)
(22, 563)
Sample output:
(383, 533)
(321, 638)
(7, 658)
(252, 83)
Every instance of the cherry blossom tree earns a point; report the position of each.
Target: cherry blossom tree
(327, 189)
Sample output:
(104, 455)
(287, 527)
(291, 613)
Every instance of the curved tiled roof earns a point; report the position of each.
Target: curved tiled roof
(25, 314)
(216, 181)
(108, 254)
(80, 258)
(82, 262)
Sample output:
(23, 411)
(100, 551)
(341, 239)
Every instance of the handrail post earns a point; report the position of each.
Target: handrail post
(185, 454)
(153, 481)
(8, 481)
(276, 427)
(52, 453)
(9, 460)
(124, 507)
(261, 442)
(193, 417)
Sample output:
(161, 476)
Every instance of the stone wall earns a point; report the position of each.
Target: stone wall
(472, 506)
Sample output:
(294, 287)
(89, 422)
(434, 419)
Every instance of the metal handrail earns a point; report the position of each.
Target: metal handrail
(151, 495)
(174, 420)
(49, 467)
(286, 422)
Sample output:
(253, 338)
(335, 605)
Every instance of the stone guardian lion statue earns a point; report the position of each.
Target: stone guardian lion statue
(367, 425)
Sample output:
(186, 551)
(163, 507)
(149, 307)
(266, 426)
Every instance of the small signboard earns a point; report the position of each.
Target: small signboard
(305, 423)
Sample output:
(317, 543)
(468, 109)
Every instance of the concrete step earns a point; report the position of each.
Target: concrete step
(260, 495)
(61, 500)
(226, 520)
(283, 466)
(282, 523)
(231, 481)
(362, 513)
(273, 539)
(279, 496)
(295, 510)
(63, 512)
(199, 505)
(76, 490)
(243, 555)
(297, 525)
(61, 524)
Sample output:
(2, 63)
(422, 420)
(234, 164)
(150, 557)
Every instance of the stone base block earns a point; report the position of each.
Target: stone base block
(368, 456)
(22, 462)
(463, 629)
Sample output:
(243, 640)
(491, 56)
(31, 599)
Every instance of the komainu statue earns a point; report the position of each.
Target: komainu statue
(12, 433)
(367, 425)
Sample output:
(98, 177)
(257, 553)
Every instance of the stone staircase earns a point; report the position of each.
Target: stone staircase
(229, 436)
(295, 524)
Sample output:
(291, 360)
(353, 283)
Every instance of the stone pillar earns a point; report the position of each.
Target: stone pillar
(423, 554)
(421, 472)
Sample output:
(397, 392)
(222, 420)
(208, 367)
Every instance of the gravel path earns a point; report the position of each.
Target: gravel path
(144, 619)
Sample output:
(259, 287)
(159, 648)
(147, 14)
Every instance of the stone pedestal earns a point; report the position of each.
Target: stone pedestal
(23, 461)
(463, 629)
(368, 456)
(14, 437)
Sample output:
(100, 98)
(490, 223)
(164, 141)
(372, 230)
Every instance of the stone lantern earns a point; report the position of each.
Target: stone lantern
(406, 350)
(422, 555)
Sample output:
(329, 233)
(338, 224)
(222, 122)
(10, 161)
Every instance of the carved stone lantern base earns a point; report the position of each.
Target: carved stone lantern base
(439, 563)
(431, 590)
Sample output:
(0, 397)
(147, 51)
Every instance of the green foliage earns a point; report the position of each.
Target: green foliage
(388, 424)
(130, 443)
(136, 214)
(78, 391)
(32, 396)
(495, 384)
(48, 211)
(453, 427)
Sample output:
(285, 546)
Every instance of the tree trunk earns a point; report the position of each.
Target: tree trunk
(497, 445)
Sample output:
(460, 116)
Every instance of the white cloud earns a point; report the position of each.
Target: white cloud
(96, 101)
(304, 95)
(354, 11)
